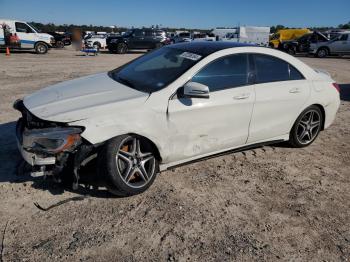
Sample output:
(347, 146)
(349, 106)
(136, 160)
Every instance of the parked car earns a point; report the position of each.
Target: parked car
(339, 45)
(61, 40)
(96, 40)
(286, 34)
(178, 104)
(21, 35)
(181, 37)
(302, 44)
(137, 39)
(203, 37)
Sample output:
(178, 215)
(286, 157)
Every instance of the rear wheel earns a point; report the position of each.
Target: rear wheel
(41, 48)
(128, 165)
(122, 48)
(322, 52)
(291, 50)
(98, 44)
(307, 127)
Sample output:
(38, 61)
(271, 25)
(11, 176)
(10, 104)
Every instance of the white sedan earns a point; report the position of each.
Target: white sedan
(174, 105)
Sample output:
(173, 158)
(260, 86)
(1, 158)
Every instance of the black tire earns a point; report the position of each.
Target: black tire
(322, 52)
(300, 127)
(123, 179)
(291, 50)
(98, 44)
(59, 44)
(122, 48)
(41, 48)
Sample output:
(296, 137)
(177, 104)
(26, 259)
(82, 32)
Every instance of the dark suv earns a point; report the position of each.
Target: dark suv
(137, 39)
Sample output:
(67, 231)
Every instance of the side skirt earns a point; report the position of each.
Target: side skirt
(230, 151)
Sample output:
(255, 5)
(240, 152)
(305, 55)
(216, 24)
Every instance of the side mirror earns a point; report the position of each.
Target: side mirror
(196, 90)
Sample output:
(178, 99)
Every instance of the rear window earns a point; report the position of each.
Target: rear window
(273, 69)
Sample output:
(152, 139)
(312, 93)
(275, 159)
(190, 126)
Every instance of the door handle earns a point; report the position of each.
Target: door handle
(241, 96)
(295, 90)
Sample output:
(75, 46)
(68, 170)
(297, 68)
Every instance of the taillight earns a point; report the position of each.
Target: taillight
(336, 86)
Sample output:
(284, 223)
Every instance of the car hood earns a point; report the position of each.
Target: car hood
(81, 98)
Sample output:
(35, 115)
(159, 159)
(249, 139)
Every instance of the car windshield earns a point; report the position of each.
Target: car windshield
(35, 29)
(154, 71)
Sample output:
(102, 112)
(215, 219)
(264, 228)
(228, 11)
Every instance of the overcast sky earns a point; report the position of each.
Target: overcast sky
(180, 13)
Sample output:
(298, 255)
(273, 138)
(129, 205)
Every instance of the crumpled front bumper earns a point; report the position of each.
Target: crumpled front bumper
(31, 158)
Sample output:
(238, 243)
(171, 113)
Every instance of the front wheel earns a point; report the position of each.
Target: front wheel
(322, 52)
(307, 127)
(41, 48)
(128, 165)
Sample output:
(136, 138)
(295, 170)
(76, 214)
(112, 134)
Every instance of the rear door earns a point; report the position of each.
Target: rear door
(341, 44)
(280, 93)
(200, 126)
(149, 39)
(25, 34)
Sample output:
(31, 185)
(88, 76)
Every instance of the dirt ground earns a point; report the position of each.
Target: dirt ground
(266, 204)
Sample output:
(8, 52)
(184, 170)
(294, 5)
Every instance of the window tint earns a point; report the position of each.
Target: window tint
(155, 70)
(223, 73)
(273, 69)
(294, 73)
(148, 33)
(23, 28)
(343, 37)
(270, 69)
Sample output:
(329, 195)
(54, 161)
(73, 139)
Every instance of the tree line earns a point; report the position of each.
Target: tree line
(50, 27)
(274, 29)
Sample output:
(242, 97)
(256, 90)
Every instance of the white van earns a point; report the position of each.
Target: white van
(20, 35)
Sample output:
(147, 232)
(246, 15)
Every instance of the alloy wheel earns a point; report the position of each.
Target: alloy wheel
(309, 127)
(135, 167)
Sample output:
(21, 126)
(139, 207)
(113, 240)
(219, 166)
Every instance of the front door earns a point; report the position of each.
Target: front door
(137, 40)
(25, 34)
(199, 126)
(341, 45)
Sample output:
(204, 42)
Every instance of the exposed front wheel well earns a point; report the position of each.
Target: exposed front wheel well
(152, 144)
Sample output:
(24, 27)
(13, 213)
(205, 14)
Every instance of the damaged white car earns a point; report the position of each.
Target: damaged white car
(174, 105)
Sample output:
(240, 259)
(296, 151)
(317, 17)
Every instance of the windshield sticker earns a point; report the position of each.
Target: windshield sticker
(190, 56)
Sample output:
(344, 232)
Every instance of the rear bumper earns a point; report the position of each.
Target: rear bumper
(331, 112)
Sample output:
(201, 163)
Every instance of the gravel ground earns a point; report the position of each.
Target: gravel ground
(267, 204)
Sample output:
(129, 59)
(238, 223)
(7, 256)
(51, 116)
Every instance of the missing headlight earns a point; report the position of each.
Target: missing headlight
(51, 140)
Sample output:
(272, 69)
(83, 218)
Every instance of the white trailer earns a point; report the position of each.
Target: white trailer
(258, 35)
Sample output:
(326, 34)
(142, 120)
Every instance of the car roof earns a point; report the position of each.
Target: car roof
(207, 47)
